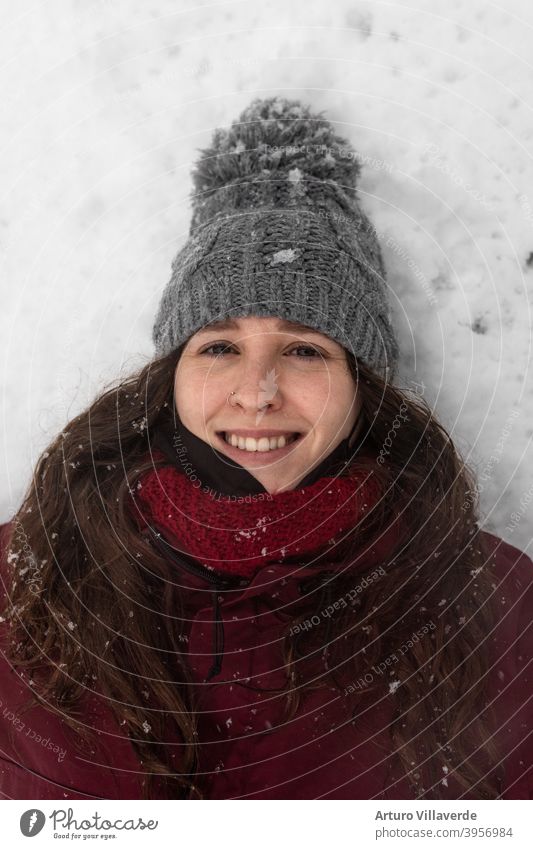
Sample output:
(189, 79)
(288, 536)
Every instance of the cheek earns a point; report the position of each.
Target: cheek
(312, 387)
(197, 397)
(341, 404)
(185, 396)
(190, 383)
(327, 395)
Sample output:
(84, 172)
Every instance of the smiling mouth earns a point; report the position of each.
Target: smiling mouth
(264, 445)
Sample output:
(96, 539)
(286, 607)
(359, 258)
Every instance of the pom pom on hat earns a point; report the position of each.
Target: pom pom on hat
(275, 134)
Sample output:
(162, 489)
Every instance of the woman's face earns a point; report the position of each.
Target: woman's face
(288, 381)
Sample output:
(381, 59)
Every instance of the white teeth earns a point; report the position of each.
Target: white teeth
(263, 444)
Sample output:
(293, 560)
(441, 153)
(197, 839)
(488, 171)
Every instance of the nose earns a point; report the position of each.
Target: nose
(256, 385)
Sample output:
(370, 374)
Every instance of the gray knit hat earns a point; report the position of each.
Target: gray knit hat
(277, 230)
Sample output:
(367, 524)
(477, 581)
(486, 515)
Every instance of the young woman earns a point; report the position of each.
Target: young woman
(255, 569)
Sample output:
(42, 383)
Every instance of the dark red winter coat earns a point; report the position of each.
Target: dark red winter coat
(319, 754)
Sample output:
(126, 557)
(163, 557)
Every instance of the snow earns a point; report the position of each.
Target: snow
(295, 175)
(286, 255)
(104, 107)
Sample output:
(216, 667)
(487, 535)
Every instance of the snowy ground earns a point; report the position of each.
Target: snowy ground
(104, 105)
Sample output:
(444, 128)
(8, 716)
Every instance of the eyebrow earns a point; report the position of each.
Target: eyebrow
(231, 324)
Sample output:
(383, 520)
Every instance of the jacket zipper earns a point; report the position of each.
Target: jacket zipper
(217, 583)
(195, 569)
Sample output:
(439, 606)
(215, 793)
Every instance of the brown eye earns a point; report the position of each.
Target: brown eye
(310, 352)
(225, 349)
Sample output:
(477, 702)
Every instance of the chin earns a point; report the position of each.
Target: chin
(273, 483)
(274, 488)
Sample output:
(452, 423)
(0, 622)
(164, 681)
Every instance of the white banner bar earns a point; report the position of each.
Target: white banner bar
(244, 824)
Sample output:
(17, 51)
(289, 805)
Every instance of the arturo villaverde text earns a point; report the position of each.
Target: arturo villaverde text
(428, 814)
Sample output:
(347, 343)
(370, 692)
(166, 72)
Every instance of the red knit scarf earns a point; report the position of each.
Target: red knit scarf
(239, 535)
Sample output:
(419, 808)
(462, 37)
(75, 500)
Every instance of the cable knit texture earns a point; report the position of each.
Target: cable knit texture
(277, 230)
(239, 536)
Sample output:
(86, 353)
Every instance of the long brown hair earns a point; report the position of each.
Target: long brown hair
(93, 604)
